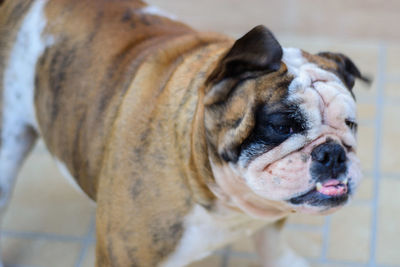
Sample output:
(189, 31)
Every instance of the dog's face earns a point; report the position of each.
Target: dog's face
(281, 127)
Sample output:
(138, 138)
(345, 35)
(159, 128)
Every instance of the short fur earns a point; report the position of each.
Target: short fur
(146, 113)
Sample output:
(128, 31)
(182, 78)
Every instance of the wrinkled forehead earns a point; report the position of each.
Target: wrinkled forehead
(307, 68)
(314, 81)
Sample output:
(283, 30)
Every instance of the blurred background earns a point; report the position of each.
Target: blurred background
(50, 224)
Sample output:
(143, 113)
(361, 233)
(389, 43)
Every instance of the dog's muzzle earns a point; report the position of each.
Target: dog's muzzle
(329, 169)
(329, 173)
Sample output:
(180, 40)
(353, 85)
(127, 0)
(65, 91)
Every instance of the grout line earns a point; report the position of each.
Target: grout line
(88, 240)
(46, 236)
(377, 149)
(393, 100)
(341, 263)
(251, 256)
(388, 175)
(383, 175)
(325, 238)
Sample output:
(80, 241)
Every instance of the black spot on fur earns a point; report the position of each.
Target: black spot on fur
(19, 10)
(165, 237)
(76, 152)
(60, 61)
(304, 157)
(127, 16)
(137, 188)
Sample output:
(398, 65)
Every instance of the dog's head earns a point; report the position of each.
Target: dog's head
(281, 127)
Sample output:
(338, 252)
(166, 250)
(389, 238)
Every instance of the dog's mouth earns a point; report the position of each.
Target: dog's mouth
(330, 193)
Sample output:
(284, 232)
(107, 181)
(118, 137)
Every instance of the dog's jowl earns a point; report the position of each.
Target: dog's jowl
(187, 141)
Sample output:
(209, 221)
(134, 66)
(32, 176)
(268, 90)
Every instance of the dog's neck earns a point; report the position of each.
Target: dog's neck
(198, 170)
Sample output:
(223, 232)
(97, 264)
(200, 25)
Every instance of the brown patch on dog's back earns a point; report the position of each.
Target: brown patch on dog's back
(116, 96)
(76, 129)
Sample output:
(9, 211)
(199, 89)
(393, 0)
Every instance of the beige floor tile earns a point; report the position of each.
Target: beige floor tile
(349, 237)
(291, 16)
(355, 17)
(365, 189)
(235, 261)
(366, 146)
(365, 93)
(306, 219)
(211, 261)
(89, 260)
(44, 201)
(392, 91)
(297, 238)
(393, 60)
(41, 253)
(390, 161)
(366, 112)
(327, 265)
(227, 16)
(388, 244)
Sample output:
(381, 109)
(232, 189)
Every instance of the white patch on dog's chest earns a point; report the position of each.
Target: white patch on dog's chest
(19, 75)
(207, 231)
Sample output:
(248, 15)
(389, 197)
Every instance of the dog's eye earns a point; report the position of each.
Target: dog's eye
(351, 124)
(283, 129)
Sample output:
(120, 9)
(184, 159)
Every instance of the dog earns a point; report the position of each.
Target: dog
(185, 140)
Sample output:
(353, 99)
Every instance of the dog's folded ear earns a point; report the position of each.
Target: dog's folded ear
(347, 70)
(257, 52)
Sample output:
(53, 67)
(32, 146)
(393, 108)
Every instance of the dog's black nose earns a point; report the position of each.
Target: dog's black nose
(330, 158)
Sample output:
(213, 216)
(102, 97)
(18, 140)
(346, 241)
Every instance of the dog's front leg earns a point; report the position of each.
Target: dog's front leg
(273, 250)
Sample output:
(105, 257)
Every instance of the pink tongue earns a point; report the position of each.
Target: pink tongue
(333, 188)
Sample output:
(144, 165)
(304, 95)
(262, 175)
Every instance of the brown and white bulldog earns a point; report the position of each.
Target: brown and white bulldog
(186, 140)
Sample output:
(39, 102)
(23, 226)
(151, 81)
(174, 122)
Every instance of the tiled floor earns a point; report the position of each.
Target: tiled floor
(50, 224)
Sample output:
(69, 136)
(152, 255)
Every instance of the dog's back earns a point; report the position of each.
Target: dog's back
(74, 60)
